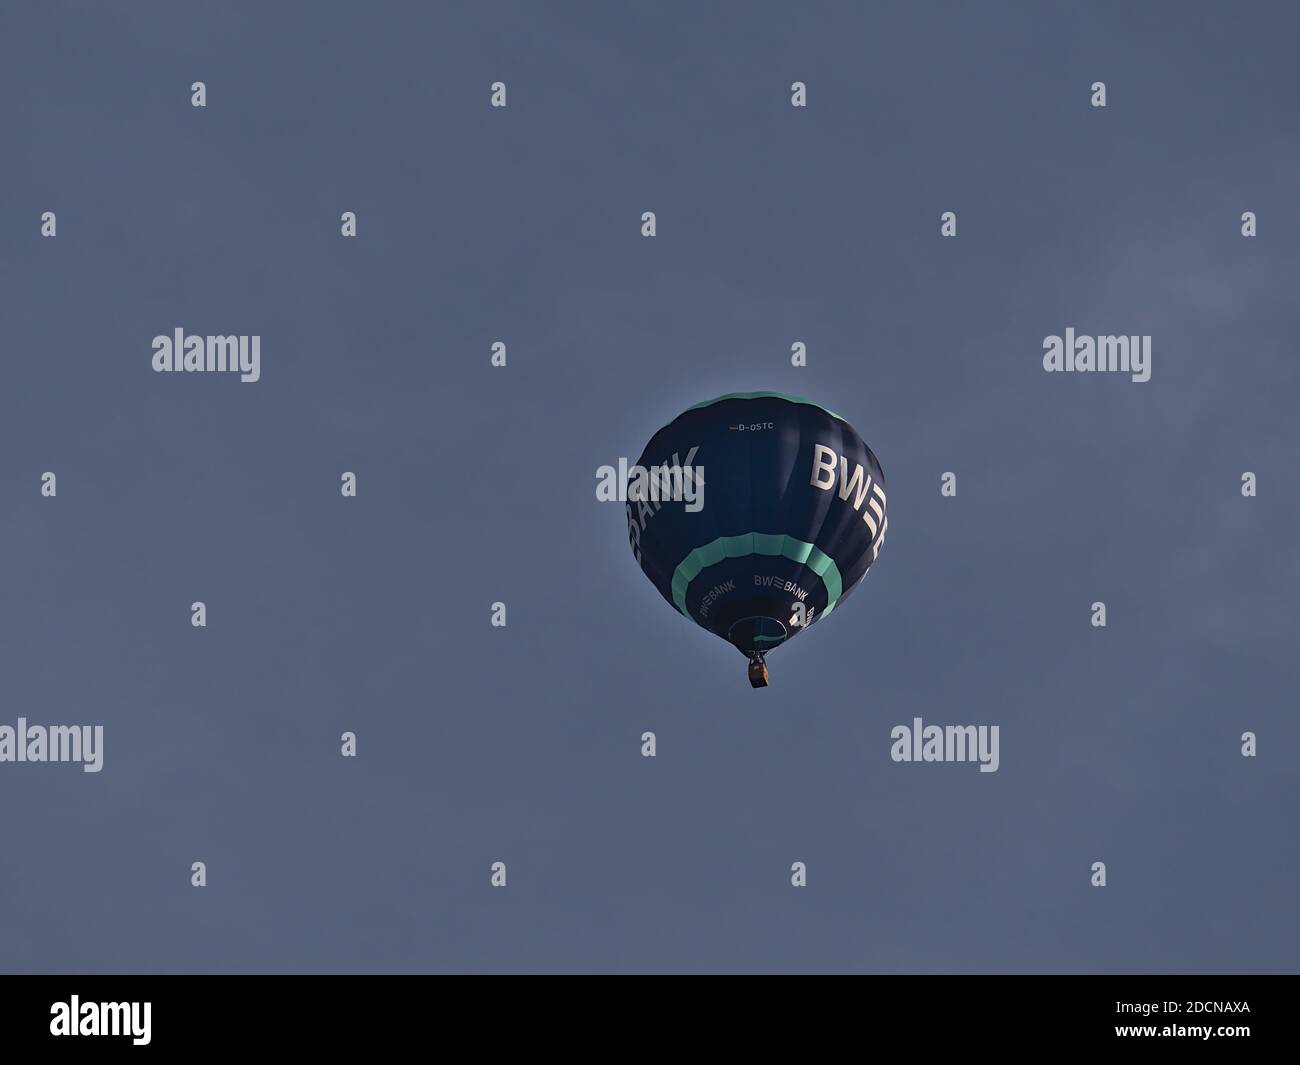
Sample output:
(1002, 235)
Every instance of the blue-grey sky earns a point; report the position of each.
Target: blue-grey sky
(477, 484)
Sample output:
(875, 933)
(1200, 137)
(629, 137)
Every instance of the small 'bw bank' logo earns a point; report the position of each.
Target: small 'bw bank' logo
(102, 1018)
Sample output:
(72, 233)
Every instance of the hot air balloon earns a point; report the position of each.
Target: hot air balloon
(755, 515)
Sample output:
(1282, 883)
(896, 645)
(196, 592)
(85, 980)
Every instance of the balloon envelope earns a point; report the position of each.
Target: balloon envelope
(788, 514)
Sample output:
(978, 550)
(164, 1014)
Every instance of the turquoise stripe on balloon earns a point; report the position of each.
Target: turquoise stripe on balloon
(757, 544)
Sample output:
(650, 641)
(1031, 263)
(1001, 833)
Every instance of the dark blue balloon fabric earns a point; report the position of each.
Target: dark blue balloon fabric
(787, 516)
